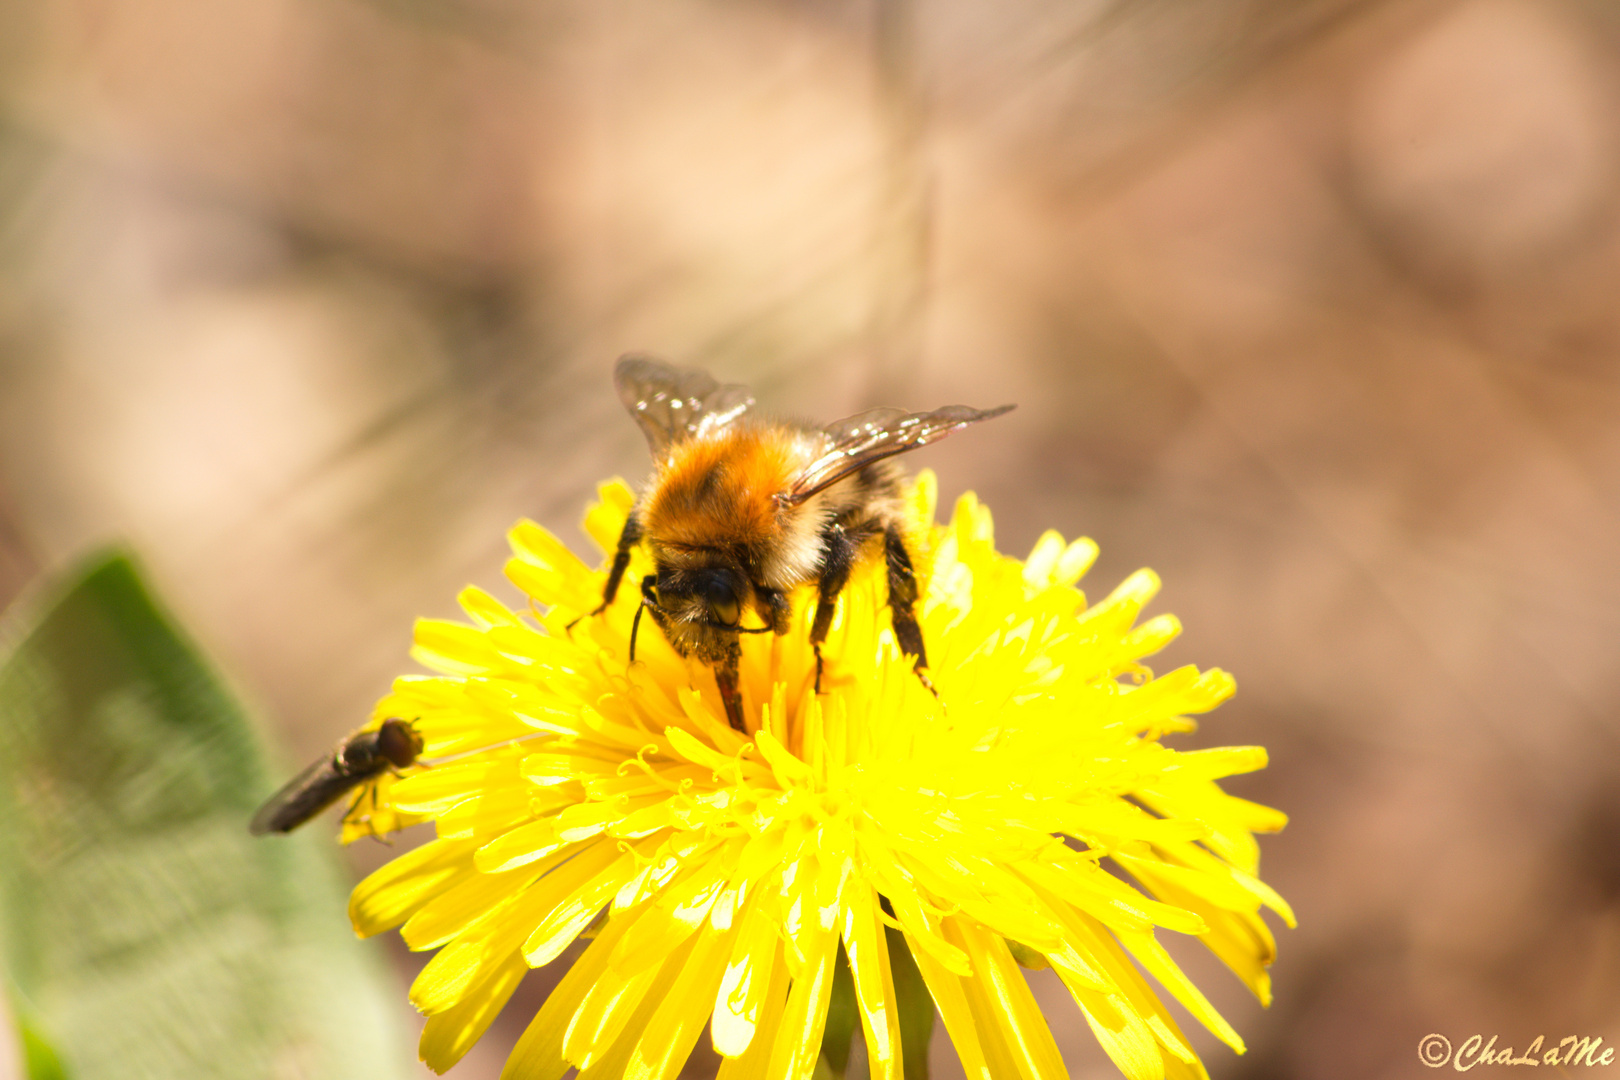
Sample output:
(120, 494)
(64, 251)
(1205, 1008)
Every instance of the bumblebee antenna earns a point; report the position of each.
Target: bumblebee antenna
(635, 627)
(649, 599)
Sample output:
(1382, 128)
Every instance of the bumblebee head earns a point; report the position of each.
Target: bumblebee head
(698, 608)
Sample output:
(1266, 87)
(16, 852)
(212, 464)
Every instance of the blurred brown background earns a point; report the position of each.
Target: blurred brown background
(1308, 304)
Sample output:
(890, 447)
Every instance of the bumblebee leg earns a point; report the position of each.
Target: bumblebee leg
(838, 553)
(725, 677)
(628, 539)
(774, 608)
(903, 603)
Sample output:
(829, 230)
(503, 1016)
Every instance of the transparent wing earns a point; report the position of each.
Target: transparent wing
(872, 436)
(302, 797)
(673, 405)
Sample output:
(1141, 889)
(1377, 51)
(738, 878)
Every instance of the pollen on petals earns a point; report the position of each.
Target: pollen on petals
(1025, 811)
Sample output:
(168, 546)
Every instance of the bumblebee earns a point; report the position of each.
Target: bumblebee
(742, 509)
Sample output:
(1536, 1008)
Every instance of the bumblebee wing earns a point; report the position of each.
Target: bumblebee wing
(302, 797)
(857, 442)
(672, 404)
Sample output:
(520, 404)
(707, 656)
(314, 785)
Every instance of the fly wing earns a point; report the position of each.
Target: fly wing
(302, 797)
(872, 436)
(673, 405)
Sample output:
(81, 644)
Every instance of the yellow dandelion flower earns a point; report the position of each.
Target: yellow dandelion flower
(716, 873)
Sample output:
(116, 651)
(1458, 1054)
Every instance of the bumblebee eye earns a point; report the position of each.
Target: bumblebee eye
(722, 602)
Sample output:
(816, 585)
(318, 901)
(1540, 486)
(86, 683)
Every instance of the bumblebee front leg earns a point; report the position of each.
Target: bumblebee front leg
(773, 607)
(629, 537)
(725, 677)
(838, 551)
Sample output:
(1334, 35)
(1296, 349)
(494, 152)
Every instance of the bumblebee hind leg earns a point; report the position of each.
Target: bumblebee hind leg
(903, 603)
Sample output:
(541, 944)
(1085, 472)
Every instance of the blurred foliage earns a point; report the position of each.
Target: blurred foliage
(144, 932)
(40, 1059)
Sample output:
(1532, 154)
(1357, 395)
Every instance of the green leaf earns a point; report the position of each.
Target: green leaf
(1026, 956)
(843, 1020)
(40, 1060)
(915, 1005)
(141, 926)
(912, 1000)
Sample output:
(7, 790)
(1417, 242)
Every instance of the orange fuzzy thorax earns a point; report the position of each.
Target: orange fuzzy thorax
(721, 491)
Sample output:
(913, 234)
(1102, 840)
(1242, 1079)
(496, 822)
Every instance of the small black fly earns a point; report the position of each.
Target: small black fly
(357, 759)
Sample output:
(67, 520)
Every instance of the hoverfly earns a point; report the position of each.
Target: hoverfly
(357, 759)
(742, 509)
